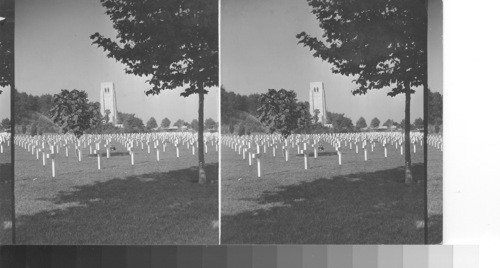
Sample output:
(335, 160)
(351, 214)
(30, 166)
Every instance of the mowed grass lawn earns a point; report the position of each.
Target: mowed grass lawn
(5, 196)
(356, 203)
(148, 203)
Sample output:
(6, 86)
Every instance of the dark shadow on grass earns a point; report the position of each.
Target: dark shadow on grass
(319, 154)
(154, 208)
(111, 154)
(5, 202)
(5, 172)
(435, 229)
(363, 208)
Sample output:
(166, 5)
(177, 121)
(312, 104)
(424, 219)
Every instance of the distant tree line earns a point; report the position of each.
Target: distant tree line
(134, 124)
(71, 111)
(240, 115)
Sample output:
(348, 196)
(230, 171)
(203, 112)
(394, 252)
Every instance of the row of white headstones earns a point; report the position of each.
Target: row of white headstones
(49, 146)
(4, 142)
(255, 146)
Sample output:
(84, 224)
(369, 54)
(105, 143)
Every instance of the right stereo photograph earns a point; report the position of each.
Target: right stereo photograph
(331, 122)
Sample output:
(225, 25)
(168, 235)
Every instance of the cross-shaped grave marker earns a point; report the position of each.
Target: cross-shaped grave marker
(258, 156)
(316, 147)
(286, 149)
(108, 147)
(78, 150)
(131, 152)
(157, 152)
(52, 156)
(98, 154)
(306, 157)
(45, 155)
(66, 149)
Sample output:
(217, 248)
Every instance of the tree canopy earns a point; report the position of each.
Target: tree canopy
(30, 109)
(418, 123)
(210, 124)
(174, 43)
(151, 124)
(340, 123)
(435, 108)
(72, 112)
(194, 125)
(315, 116)
(26, 103)
(280, 111)
(403, 123)
(179, 123)
(235, 102)
(379, 43)
(388, 123)
(5, 124)
(241, 129)
(239, 109)
(107, 112)
(304, 117)
(7, 44)
(165, 123)
(131, 123)
(375, 123)
(361, 123)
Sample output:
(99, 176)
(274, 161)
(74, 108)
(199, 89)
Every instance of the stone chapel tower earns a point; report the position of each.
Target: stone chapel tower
(317, 100)
(108, 101)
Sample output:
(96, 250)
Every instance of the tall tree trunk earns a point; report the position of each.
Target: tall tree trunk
(202, 178)
(12, 141)
(408, 173)
(12, 153)
(426, 130)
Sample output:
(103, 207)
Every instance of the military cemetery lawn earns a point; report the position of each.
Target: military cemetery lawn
(149, 203)
(435, 194)
(358, 202)
(5, 196)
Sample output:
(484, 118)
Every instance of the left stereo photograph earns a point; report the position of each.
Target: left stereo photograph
(116, 122)
(6, 83)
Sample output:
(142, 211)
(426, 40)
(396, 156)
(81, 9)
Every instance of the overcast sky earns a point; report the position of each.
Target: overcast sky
(54, 52)
(259, 51)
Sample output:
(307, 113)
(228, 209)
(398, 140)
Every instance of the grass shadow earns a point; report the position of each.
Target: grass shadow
(362, 208)
(5, 203)
(319, 154)
(435, 231)
(111, 154)
(154, 208)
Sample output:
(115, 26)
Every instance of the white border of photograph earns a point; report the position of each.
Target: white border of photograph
(471, 126)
